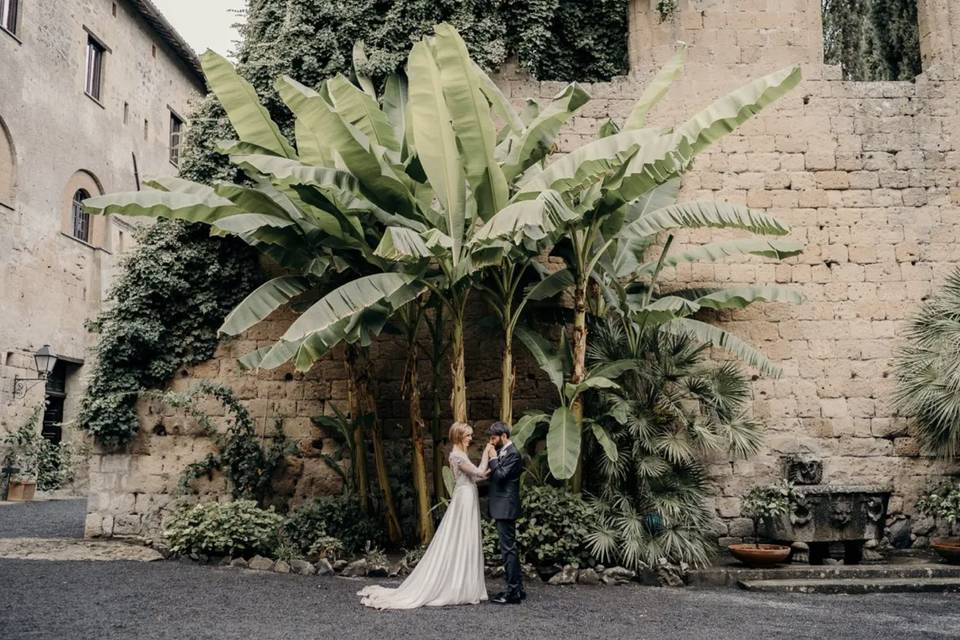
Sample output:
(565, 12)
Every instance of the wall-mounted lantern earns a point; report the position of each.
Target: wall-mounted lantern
(44, 359)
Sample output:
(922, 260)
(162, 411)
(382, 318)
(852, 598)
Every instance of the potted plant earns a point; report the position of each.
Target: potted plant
(19, 457)
(764, 504)
(943, 504)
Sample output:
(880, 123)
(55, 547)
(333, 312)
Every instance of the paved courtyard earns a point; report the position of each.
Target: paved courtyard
(114, 600)
(168, 600)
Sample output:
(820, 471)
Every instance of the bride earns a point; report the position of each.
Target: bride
(451, 570)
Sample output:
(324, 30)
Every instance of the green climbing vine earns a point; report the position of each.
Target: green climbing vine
(247, 462)
(162, 314)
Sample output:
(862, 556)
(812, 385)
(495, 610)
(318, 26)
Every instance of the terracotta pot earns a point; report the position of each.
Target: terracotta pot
(948, 548)
(766, 555)
(21, 491)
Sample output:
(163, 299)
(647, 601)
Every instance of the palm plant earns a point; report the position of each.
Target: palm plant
(928, 371)
(666, 416)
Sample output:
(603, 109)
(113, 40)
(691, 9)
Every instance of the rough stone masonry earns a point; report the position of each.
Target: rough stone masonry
(864, 172)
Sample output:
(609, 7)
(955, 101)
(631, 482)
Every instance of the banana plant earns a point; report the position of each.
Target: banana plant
(471, 171)
(623, 185)
(564, 429)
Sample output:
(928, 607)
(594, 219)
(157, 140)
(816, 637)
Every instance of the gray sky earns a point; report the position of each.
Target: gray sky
(205, 24)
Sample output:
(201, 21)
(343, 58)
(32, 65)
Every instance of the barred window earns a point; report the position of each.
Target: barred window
(81, 219)
(176, 128)
(8, 14)
(94, 77)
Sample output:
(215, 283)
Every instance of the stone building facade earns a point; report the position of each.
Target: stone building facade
(866, 175)
(90, 91)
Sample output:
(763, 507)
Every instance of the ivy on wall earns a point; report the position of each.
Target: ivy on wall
(162, 313)
(872, 40)
(311, 40)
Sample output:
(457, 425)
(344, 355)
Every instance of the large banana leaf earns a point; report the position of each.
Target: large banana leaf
(777, 249)
(501, 106)
(656, 89)
(606, 442)
(291, 172)
(172, 183)
(261, 200)
(436, 142)
(471, 121)
(655, 163)
(360, 62)
(696, 215)
(571, 391)
(360, 110)
(194, 207)
(741, 297)
(583, 165)
(537, 139)
(663, 310)
(378, 180)
(247, 223)
(525, 428)
(709, 334)
(552, 361)
(526, 220)
(563, 443)
(395, 105)
(352, 312)
(239, 99)
(263, 301)
(735, 108)
(401, 244)
(555, 283)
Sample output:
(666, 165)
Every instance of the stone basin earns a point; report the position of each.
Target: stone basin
(830, 513)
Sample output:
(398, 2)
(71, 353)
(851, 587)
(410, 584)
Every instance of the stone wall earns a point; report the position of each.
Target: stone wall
(54, 139)
(865, 173)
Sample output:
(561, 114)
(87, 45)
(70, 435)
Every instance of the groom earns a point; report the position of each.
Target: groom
(504, 501)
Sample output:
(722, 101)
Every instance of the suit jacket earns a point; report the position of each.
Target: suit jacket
(503, 497)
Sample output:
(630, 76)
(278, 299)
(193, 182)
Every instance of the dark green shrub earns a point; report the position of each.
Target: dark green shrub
(551, 531)
(162, 313)
(338, 517)
(224, 528)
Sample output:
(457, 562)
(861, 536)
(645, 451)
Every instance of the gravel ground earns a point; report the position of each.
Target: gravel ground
(43, 519)
(168, 600)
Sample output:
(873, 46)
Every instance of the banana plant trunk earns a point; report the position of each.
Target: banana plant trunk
(458, 369)
(436, 366)
(417, 428)
(361, 479)
(579, 344)
(368, 407)
(508, 380)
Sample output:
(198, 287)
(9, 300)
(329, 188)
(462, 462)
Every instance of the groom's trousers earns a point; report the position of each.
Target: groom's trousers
(507, 532)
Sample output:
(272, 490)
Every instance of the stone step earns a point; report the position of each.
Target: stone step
(855, 585)
(730, 575)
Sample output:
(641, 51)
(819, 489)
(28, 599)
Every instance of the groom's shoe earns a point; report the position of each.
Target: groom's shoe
(523, 595)
(502, 598)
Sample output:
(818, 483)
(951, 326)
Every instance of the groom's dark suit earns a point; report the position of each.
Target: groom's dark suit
(504, 501)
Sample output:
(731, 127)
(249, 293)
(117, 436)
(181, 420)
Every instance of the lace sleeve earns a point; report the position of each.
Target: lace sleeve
(462, 462)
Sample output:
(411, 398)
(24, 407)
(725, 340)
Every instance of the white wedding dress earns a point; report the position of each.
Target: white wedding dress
(451, 570)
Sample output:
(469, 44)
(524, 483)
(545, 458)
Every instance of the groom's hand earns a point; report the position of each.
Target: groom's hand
(491, 451)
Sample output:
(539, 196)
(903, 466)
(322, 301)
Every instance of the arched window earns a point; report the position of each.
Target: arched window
(81, 219)
(6, 167)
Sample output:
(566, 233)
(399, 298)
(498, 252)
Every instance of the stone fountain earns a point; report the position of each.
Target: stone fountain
(825, 514)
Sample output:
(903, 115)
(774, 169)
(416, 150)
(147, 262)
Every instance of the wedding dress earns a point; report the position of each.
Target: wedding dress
(451, 570)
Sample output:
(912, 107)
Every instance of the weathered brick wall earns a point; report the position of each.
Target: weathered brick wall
(866, 175)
